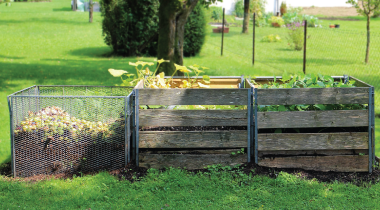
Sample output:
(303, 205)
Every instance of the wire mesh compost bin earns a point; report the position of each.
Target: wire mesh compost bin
(68, 129)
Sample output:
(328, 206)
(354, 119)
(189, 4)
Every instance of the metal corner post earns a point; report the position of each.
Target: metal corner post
(137, 125)
(249, 108)
(370, 129)
(11, 134)
(256, 130)
(133, 126)
(126, 130)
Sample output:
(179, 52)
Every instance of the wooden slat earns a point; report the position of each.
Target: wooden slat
(214, 82)
(308, 119)
(341, 163)
(283, 153)
(359, 83)
(290, 96)
(193, 139)
(193, 96)
(162, 117)
(312, 141)
(191, 162)
(191, 151)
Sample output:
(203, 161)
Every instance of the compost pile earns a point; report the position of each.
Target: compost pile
(51, 141)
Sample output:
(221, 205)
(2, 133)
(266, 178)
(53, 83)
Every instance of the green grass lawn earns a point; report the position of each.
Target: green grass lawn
(177, 189)
(47, 44)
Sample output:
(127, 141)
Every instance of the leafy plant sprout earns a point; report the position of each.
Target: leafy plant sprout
(152, 80)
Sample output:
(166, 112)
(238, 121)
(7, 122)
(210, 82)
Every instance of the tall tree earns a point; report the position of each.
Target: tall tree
(246, 16)
(366, 8)
(173, 15)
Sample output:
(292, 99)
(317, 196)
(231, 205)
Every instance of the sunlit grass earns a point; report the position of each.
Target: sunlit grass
(47, 44)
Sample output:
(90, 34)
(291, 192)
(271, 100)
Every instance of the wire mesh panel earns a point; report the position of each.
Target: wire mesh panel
(62, 129)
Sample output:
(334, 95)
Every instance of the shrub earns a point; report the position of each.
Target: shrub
(312, 21)
(195, 31)
(130, 27)
(277, 20)
(216, 13)
(296, 35)
(291, 17)
(283, 8)
(271, 38)
(255, 6)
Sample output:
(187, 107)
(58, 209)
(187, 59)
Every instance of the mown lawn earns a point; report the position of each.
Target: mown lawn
(177, 189)
(47, 44)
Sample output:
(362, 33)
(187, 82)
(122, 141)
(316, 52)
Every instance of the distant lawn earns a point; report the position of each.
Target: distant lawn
(47, 44)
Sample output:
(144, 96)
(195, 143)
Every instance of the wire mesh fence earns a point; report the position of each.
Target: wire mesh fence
(67, 129)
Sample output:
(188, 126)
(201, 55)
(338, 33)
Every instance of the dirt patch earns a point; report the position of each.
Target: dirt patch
(330, 11)
(133, 173)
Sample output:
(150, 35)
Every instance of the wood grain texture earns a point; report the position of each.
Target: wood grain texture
(312, 141)
(309, 119)
(290, 96)
(341, 163)
(283, 153)
(193, 96)
(190, 151)
(191, 162)
(162, 117)
(214, 82)
(193, 139)
(359, 83)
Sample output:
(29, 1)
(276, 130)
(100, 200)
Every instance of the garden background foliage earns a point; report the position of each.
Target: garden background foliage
(131, 27)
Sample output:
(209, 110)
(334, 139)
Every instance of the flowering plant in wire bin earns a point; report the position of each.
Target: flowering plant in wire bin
(56, 124)
(295, 35)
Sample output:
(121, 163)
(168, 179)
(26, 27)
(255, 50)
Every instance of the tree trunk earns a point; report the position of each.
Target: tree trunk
(368, 39)
(91, 10)
(246, 17)
(167, 34)
(180, 31)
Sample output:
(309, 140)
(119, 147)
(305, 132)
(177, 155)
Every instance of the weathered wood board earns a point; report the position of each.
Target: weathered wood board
(193, 96)
(214, 82)
(312, 141)
(290, 96)
(283, 153)
(193, 139)
(341, 163)
(162, 117)
(189, 161)
(310, 119)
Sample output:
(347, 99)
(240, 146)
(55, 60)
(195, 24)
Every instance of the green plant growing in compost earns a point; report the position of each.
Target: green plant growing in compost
(301, 80)
(151, 80)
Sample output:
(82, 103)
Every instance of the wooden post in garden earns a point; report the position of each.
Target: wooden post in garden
(253, 31)
(304, 47)
(223, 31)
(91, 9)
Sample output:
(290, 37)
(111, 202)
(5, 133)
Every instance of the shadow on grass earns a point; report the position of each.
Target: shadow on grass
(63, 9)
(95, 52)
(11, 57)
(75, 22)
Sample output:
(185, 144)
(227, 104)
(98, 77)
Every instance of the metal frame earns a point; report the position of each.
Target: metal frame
(128, 112)
(371, 128)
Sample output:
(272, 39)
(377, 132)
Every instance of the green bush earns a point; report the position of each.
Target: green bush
(195, 31)
(130, 27)
(257, 6)
(216, 13)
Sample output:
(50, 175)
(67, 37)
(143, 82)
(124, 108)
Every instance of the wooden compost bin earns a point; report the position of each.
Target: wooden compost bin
(348, 151)
(192, 149)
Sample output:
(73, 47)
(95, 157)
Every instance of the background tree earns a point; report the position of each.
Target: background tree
(366, 8)
(246, 16)
(173, 15)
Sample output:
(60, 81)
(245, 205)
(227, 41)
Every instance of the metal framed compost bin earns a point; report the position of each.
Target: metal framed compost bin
(68, 129)
(195, 138)
(349, 149)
